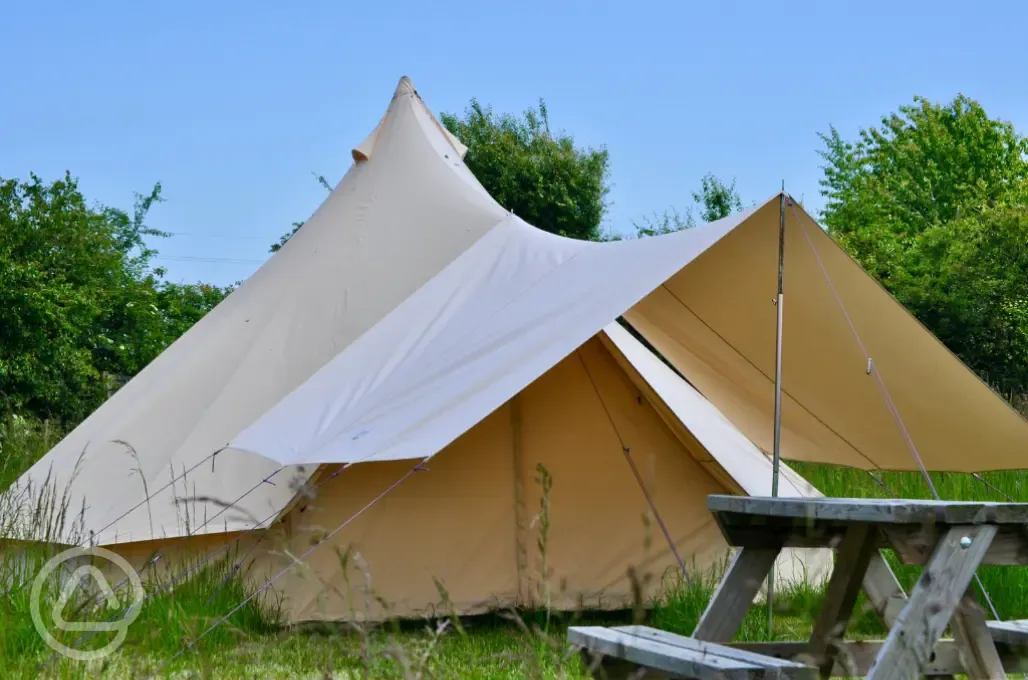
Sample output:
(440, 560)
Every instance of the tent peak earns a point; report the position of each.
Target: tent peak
(405, 87)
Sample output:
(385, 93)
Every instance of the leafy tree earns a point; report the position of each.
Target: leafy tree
(932, 202)
(664, 223)
(924, 166)
(275, 247)
(79, 302)
(715, 200)
(967, 280)
(541, 177)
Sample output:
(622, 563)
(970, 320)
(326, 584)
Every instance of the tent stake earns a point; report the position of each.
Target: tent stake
(778, 396)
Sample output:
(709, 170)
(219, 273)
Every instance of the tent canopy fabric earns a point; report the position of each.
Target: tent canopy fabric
(714, 321)
(494, 320)
(411, 306)
(519, 300)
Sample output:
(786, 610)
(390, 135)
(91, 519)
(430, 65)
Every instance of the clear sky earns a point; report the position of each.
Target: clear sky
(233, 105)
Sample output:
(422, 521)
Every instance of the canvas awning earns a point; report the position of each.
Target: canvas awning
(520, 299)
(510, 307)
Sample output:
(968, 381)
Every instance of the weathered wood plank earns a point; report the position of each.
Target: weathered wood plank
(830, 627)
(787, 533)
(855, 658)
(913, 544)
(873, 510)
(977, 649)
(664, 657)
(931, 604)
(602, 667)
(734, 595)
(695, 645)
(1013, 633)
(888, 598)
(883, 590)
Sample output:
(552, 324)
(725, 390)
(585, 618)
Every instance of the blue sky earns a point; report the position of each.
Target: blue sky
(233, 105)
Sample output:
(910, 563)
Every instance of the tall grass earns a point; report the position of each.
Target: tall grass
(252, 643)
(37, 524)
(168, 619)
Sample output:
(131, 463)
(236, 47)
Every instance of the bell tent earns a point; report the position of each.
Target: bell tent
(448, 379)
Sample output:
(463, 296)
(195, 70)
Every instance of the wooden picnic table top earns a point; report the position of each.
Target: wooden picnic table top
(893, 511)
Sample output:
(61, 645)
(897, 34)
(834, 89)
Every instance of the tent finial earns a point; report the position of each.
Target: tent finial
(404, 87)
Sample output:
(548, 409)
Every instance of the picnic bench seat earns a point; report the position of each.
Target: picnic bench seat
(659, 654)
(1011, 639)
(1012, 633)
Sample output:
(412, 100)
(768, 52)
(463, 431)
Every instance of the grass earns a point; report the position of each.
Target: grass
(253, 644)
(493, 653)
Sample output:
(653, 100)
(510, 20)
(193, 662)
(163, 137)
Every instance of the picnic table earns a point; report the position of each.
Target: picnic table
(950, 539)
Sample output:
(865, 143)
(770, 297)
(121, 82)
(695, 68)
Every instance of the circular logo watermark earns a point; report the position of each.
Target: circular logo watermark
(82, 574)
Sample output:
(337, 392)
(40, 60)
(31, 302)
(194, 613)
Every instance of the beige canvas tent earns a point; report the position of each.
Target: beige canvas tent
(413, 318)
(471, 520)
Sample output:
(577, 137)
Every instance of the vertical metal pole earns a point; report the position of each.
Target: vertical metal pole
(776, 459)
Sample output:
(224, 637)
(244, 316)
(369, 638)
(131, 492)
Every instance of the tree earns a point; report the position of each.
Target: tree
(541, 177)
(926, 165)
(666, 222)
(967, 280)
(932, 203)
(79, 302)
(275, 247)
(715, 199)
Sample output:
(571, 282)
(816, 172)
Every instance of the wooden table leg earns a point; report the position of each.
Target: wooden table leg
(858, 545)
(734, 595)
(974, 640)
(931, 604)
(886, 595)
(883, 590)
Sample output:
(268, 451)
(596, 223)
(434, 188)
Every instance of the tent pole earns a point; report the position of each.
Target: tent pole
(778, 394)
